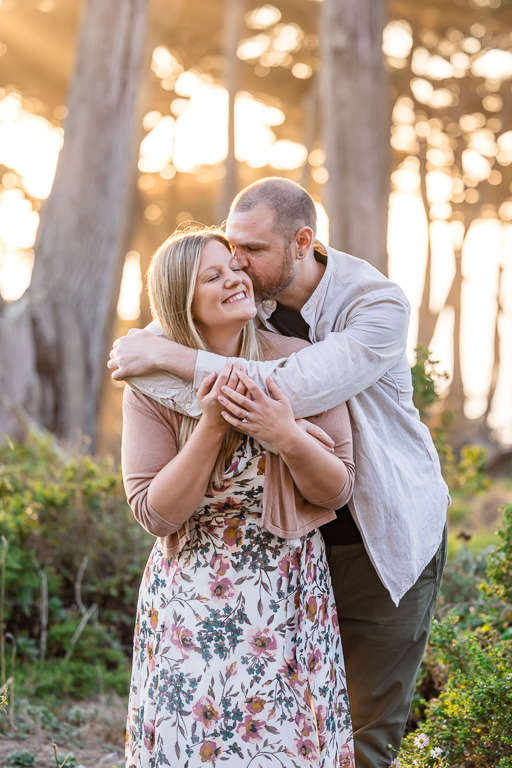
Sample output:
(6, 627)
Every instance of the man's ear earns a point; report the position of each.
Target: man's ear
(303, 241)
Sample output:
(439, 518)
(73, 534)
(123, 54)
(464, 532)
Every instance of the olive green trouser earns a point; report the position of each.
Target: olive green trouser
(383, 646)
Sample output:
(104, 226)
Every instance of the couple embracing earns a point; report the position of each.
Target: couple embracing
(271, 444)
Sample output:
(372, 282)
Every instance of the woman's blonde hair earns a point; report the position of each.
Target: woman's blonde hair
(172, 277)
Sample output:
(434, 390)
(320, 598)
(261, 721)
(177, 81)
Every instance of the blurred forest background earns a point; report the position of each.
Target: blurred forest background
(166, 110)
(121, 120)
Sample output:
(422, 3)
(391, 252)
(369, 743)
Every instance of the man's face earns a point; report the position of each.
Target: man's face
(265, 255)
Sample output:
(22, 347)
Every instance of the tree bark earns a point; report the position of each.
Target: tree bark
(357, 126)
(54, 340)
(234, 11)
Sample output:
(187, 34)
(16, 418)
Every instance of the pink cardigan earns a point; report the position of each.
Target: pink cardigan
(151, 439)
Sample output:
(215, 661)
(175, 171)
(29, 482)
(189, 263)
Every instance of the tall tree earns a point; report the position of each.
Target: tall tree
(356, 126)
(54, 340)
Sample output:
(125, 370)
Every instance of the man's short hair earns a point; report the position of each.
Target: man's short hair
(293, 207)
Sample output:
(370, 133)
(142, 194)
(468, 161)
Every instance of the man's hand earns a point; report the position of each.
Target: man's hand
(138, 353)
(318, 433)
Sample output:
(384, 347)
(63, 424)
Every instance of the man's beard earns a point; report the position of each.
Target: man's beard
(278, 283)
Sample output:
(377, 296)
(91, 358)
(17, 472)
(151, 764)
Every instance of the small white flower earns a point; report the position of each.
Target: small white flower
(436, 752)
(421, 740)
(395, 763)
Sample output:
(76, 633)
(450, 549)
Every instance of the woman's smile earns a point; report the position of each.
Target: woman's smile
(223, 298)
(236, 297)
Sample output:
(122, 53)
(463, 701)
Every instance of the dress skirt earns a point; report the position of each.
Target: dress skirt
(237, 653)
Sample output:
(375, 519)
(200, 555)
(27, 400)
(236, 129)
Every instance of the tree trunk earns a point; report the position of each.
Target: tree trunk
(54, 340)
(357, 127)
(234, 11)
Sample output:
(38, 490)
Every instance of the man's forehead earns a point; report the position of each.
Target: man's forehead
(255, 224)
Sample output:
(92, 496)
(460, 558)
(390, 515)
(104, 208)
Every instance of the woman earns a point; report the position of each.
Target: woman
(237, 654)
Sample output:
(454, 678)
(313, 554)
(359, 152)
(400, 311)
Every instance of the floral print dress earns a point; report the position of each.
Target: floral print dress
(237, 654)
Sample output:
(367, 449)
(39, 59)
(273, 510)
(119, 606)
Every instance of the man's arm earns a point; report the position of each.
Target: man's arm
(331, 371)
(316, 378)
(147, 350)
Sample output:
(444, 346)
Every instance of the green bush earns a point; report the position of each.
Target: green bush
(72, 547)
(468, 668)
(23, 759)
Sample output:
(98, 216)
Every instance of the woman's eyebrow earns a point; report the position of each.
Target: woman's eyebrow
(212, 268)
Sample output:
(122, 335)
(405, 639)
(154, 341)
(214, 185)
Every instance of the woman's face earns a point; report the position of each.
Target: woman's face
(223, 296)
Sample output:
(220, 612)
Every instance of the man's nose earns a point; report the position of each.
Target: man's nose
(242, 261)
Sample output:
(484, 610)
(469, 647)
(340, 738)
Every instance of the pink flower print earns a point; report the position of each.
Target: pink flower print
(176, 573)
(321, 716)
(221, 591)
(306, 751)
(210, 750)
(183, 639)
(165, 630)
(226, 483)
(229, 503)
(311, 572)
(347, 759)
(220, 563)
(311, 609)
(303, 724)
(323, 613)
(149, 736)
(254, 705)
(153, 618)
(263, 642)
(261, 464)
(295, 560)
(165, 565)
(232, 536)
(284, 566)
(291, 674)
(314, 662)
(151, 658)
(231, 670)
(207, 712)
(251, 730)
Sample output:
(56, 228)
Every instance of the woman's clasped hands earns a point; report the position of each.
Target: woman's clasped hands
(267, 418)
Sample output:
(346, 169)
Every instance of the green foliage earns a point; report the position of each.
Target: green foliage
(500, 562)
(24, 759)
(467, 472)
(425, 378)
(471, 719)
(74, 562)
(468, 666)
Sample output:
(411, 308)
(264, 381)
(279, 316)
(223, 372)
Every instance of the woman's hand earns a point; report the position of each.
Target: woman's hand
(208, 395)
(269, 420)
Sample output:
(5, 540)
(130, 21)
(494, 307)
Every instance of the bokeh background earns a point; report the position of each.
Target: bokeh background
(123, 119)
(396, 116)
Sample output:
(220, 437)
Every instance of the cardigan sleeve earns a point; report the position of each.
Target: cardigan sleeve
(335, 422)
(150, 441)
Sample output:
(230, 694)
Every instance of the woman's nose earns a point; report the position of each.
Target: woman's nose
(233, 278)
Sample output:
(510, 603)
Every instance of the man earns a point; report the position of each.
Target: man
(387, 548)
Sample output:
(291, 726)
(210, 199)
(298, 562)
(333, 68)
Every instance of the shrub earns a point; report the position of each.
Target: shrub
(74, 561)
(468, 666)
